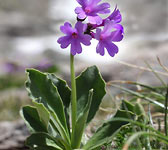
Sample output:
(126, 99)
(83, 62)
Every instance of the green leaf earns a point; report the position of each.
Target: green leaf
(57, 126)
(143, 85)
(126, 105)
(32, 118)
(139, 110)
(139, 95)
(63, 89)
(41, 87)
(156, 95)
(42, 141)
(81, 122)
(161, 138)
(105, 133)
(43, 113)
(90, 79)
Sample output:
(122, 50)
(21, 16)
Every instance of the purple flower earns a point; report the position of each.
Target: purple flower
(106, 37)
(91, 9)
(115, 16)
(74, 36)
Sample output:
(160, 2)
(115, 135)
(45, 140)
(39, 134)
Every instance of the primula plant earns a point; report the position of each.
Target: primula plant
(60, 114)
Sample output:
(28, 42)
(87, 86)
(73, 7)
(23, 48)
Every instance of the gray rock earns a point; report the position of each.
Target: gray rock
(13, 135)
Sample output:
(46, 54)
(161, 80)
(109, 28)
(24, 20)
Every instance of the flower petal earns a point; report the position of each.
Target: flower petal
(115, 15)
(82, 2)
(108, 25)
(100, 49)
(81, 14)
(102, 8)
(118, 27)
(116, 36)
(67, 28)
(94, 2)
(111, 48)
(75, 47)
(85, 39)
(64, 41)
(80, 27)
(78, 47)
(95, 20)
(98, 33)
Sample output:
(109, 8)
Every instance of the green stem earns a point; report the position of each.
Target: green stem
(73, 96)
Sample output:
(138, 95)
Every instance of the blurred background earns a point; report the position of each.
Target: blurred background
(29, 30)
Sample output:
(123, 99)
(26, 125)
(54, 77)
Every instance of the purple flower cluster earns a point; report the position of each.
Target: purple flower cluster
(106, 31)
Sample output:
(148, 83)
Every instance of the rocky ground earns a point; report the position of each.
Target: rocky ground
(13, 135)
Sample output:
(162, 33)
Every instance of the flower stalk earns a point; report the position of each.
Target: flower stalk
(73, 96)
